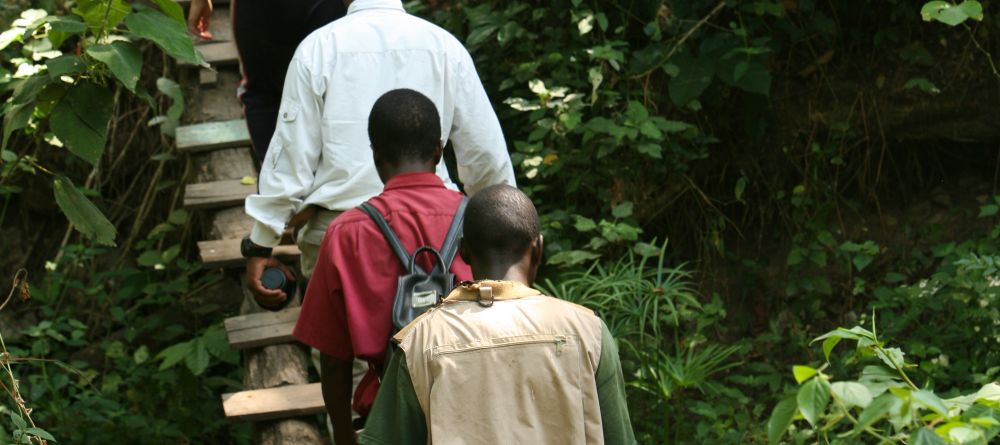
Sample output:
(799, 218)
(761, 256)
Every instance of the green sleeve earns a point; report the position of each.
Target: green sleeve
(396, 417)
(611, 393)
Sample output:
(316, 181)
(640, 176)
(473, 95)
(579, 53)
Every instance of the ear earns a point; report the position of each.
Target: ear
(438, 152)
(536, 249)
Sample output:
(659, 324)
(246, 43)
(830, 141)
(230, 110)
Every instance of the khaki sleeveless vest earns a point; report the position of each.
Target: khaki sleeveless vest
(519, 372)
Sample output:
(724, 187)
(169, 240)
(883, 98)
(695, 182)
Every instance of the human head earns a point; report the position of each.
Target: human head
(501, 235)
(405, 133)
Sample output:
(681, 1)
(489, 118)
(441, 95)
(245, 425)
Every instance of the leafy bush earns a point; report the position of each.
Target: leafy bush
(659, 322)
(883, 405)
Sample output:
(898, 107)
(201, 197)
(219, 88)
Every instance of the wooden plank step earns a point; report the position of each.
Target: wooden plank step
(207, 195)
(226, 253)
(262, 328)
(212, 135)
(208, 77)
(274, 403)
(219, 53)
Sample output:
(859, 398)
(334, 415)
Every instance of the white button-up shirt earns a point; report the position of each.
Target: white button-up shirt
(320, 153)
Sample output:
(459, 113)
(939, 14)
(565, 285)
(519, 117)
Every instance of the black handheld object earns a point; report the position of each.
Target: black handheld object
(274, 278)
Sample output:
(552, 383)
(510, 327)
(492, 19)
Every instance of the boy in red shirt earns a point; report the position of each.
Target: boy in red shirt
(347, 309)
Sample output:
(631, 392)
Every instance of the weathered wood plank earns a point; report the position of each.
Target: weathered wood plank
(226, 253)
(208, 77)
(274, 403)
(261, 329)
(212, 135)
(206, 195)
(218, 53)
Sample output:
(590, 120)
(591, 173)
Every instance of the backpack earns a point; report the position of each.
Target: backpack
(416, 289)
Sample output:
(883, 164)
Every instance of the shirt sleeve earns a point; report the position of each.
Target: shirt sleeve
(322, 322)
(288, 170)
(396, 417)
(480, 148)
(611, 393)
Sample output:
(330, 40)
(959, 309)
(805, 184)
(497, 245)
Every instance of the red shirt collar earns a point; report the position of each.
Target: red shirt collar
(416, 179)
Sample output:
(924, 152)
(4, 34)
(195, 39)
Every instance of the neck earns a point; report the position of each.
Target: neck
(516, 272)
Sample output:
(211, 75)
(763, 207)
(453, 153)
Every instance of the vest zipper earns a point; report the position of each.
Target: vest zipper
(558, 340)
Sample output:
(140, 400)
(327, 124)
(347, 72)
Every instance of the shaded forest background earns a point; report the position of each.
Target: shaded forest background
(723, 181)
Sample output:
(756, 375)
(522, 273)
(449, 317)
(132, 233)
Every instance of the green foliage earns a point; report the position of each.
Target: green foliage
(659, 322)
(883, 403)
(66, 70)
(100, 365)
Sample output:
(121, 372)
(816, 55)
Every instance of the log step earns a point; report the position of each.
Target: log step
(261, 329)
(212, 135)
(226, 253)
(274, 403)
(207, 195)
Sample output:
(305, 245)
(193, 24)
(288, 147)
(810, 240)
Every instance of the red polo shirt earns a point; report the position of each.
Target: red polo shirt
(348, 305)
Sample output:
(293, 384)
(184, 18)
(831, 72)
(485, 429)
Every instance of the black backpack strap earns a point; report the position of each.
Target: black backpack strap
(450, 246)
(387, 232)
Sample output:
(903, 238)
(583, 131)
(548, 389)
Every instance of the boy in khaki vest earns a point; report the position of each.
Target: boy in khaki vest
(498, 362)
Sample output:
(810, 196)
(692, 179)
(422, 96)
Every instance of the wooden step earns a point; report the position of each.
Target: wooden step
(219, 53)
(207, 195)
(262, 328)
(212, 135)
(274, 403)
(208, 77)
(226, 253)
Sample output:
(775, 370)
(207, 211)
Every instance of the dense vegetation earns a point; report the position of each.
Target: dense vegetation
(725, 181)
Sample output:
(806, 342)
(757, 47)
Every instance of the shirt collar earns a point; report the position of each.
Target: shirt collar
(416, 179)
(487, 290)
(361, 5)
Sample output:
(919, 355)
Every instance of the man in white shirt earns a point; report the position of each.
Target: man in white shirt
(319, 162)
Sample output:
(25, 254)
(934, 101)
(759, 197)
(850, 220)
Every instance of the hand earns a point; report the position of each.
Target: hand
(266, 298)
(198, 17)
(300, 219)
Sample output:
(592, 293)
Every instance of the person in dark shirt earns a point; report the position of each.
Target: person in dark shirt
(267, 34)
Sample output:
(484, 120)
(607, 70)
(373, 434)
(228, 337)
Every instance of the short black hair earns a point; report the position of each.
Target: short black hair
(404, 125)
(500, 223)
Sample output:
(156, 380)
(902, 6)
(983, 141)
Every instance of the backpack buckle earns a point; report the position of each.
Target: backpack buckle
(424, 299)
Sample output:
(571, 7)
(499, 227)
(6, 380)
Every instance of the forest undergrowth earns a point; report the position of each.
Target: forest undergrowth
(736, 186)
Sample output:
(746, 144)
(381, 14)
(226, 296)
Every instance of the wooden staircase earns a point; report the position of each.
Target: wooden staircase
(278, 395)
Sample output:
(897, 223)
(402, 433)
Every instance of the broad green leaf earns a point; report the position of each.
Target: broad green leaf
(173, 354)
(813, 397)
(966, 435)
(923, 84)
(852, 393)
(654, 151)
(803, 373)
(179, 217)
(924, 436)
(623, 210)
(988, 210)
(985, 422)
(893, 357)
(63, 65)
(82, 213)
(149, 258)
(757, 79)
(828, 345)
(694, 77)
(80, 120)
(40, 433)
(583, 224)
(875, 411)
(66, 23)
(167, 33)
(929, 400)
(172, 119)
(861, 261)
(780, 420)
(122, 58)
(18, 420)
(17, 117)
(27, 90)
(973, 9)
(140, 355)
(172, 10)
(197, 359)
(102, 14)
(571, 257)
